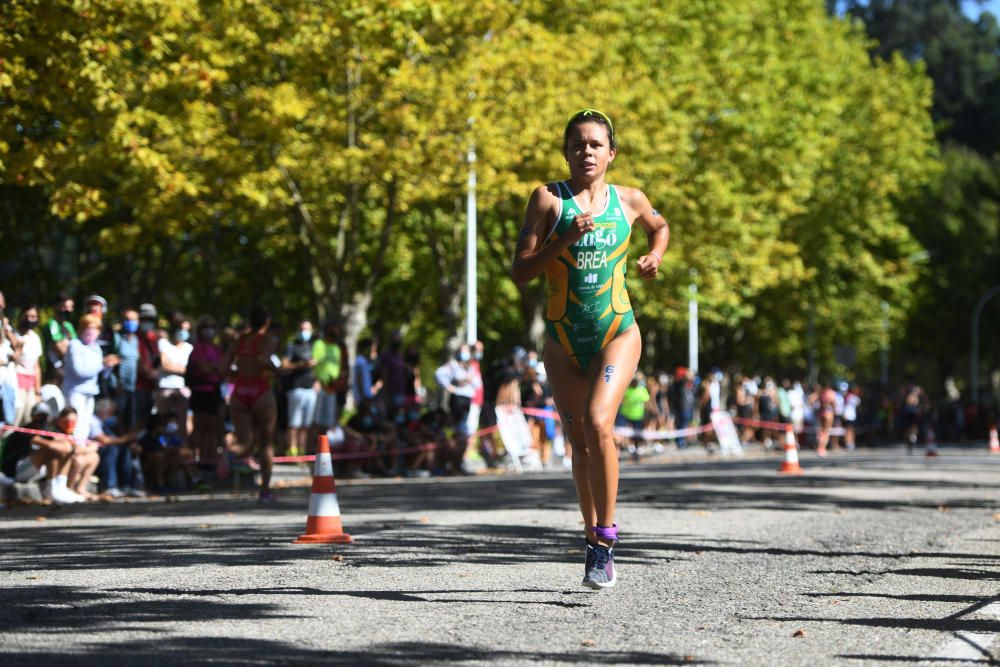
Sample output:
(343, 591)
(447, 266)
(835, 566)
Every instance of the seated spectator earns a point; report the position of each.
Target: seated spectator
(29, 458)
(51, 392)
(434, 428)
(415, 434)
(115, 469)
(345, 440)
(378, 436)
(164, 454)
(84, 458)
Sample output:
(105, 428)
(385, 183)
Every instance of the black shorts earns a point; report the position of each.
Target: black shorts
(205, 402)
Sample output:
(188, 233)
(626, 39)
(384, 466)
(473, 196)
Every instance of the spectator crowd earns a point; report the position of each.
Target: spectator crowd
(148, 402)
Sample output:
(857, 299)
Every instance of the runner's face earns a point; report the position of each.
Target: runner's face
(589, 152)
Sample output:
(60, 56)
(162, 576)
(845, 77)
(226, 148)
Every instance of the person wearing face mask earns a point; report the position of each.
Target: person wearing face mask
(59, 331)
(460, 384)
(204, 378)
(96, 304)
(46, 459)
(83, 364)
(479, 398)
(127, 349)
(29, 370)
(298, 365)
(147, 374)
(172, 394)
(10, 348)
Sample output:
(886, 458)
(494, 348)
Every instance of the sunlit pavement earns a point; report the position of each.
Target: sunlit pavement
(872, 557)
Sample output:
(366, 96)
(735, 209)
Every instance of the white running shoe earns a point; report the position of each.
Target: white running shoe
(64, 496)
(114, 492)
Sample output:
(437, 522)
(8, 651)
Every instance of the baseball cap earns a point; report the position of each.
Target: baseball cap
(97, 298)
(41, 409)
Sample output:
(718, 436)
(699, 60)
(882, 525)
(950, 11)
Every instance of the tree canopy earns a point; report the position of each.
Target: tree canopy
(211, 153)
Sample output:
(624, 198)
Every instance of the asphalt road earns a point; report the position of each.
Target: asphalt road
(869, 558)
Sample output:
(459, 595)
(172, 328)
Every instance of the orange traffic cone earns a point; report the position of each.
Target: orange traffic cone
(932, 449)
(994, 440)
(323, 525)
(790, 466)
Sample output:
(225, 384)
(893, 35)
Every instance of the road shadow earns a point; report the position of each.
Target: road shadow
(229, 651)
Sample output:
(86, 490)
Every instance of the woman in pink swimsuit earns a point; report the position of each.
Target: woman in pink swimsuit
(252, 407)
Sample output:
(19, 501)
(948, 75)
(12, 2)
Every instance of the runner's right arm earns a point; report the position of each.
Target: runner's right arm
(530, 257)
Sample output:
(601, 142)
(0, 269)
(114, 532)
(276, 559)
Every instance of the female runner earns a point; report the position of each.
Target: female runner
(577, 232)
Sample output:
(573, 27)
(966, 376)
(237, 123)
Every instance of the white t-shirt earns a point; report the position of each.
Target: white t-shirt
(7, 364)
(52, 395)
(31, 352)
(851, 403)
(175, 355)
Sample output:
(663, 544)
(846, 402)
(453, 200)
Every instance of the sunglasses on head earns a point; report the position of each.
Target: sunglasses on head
(586, 113)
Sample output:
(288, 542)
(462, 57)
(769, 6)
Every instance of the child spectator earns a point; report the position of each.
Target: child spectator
(115, 468)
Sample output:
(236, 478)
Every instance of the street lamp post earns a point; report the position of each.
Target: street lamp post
(883, 377)
(693, 329)
(974, 353)
(471, 333)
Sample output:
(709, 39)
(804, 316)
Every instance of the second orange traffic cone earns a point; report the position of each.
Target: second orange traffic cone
(932, 448)
(994, 440)
(790, 466)
(323, 525)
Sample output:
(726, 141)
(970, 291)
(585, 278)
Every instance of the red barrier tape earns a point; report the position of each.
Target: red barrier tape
(49, 434)
(345, 456)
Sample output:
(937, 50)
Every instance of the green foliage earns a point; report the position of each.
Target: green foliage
(313, 155)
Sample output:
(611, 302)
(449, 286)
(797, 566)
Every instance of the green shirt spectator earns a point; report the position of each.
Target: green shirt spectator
(59, 331)
(634, 403)
(327, 356)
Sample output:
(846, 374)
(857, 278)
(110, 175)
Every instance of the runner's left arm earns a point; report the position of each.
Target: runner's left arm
(656, 228)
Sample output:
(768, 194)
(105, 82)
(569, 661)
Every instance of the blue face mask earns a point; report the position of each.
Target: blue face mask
(130, 326)
(183, 335)
(532, 363)
(464, 356)
(306, 335)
